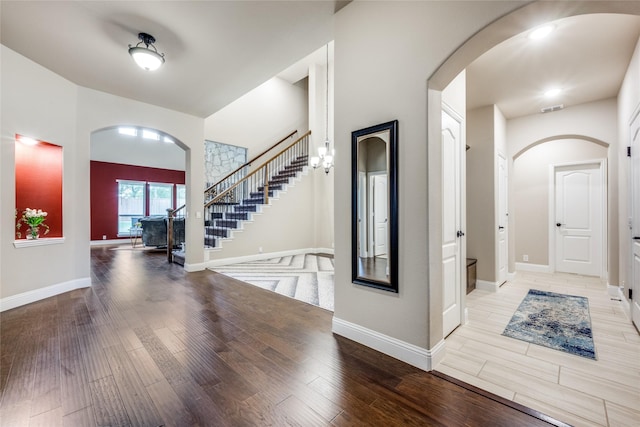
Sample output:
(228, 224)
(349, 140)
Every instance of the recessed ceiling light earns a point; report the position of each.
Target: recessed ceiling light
(128, 131)
(541, 32)
(28, 141)
(148, 134)
(552, 92)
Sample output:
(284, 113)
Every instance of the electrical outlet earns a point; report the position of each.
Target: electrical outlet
(104, 237)
(525, 257)
(260, 250)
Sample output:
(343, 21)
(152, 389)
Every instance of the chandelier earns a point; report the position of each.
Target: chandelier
(325, 153)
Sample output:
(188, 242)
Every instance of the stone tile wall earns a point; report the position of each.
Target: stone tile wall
(221, 159)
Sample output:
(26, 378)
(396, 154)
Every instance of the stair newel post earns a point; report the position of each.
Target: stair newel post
(266, 183)
(170, 235)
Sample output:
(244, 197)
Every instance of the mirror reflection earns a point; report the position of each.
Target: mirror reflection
(374, 217)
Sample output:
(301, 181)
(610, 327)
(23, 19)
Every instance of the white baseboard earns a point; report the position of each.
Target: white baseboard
(624, 302)
(111, 242)
(190, 268)
(485, 285)
(536, 268)
(413, 355)
(264, 256)
(18, 300)
(613, 290)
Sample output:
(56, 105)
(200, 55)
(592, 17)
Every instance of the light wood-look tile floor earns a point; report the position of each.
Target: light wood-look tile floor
(572, 389)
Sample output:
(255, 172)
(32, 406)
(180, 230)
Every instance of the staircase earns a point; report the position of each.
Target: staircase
(234, 199)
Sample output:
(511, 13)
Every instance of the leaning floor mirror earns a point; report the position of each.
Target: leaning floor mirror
(374, 206)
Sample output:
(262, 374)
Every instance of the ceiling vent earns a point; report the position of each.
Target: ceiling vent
(552, 108)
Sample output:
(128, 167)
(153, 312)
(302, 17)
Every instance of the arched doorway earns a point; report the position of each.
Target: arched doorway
(144, 168)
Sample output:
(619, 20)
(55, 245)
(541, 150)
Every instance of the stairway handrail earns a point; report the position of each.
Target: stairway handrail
(228, 190)
(252, 160)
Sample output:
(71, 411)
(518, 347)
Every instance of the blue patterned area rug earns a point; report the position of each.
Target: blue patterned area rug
(557, 321)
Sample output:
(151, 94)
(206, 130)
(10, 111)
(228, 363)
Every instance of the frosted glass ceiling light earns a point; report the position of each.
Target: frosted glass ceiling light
(147, 56)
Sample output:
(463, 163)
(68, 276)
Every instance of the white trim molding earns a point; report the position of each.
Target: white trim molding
(426, 359)
(24, 298)
(536, 268)
(485, 285)
(264, 256)
(43, 241)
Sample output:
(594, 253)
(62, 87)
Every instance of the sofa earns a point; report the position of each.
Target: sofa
(154, 231)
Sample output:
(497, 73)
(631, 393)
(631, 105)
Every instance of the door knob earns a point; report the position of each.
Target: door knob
(459, 233)
(558, 224)
(500, 227)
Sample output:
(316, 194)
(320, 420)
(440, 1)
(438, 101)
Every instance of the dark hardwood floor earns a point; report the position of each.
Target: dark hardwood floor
(151, 345)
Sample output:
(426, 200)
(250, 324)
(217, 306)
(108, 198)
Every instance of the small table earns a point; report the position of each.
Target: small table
(134, 234)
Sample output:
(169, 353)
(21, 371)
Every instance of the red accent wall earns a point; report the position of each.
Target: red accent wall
(39, 183)
(104, 192)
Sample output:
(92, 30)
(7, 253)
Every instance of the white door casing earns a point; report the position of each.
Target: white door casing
(453, 279)
(380, 217)
(578, 221)
(503, 221)
(634, 200)
(362, 215)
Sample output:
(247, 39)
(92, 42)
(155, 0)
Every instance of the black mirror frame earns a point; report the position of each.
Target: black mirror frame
(392, 127)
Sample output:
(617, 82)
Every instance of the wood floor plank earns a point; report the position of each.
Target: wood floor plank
(107, 403)
(139, 407)
(150, 344)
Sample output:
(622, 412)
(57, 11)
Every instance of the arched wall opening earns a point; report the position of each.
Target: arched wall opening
(530, 182)
(516, 22)
(134, 172)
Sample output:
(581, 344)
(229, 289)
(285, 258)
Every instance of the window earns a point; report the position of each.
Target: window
(181, 195)
(131, 204)
(160, 198)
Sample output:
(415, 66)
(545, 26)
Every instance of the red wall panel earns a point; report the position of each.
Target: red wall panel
(104, 192)
(39, 183)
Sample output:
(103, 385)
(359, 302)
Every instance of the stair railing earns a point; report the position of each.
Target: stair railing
(256, 187)
(240, 172)
(238, 187)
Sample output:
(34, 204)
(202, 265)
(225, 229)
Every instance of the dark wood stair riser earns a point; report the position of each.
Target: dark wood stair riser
(227, 223)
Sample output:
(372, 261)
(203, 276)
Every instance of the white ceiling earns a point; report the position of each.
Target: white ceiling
(216, 51)
(587, 56)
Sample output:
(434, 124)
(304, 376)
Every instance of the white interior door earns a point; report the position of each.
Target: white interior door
(362, 214)
(579, 219)
(452, 236)
(635, 220)
(380, 214)
(503, 220)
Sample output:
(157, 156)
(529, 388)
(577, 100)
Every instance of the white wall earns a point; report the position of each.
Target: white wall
(384, 55)
(595, 121)
(39, 103)
(42, 105)
(99, 110)
(481, 236)
(109, 146)
(284, 225)
(628, 103)
(531, 193)
(261, 117)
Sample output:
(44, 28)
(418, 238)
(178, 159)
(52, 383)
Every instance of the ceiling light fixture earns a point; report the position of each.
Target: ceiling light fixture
(325, 154)
(552, 92)
(146, 57)
(541, 32)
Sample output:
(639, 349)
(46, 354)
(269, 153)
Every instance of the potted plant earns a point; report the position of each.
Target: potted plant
(34, 219)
